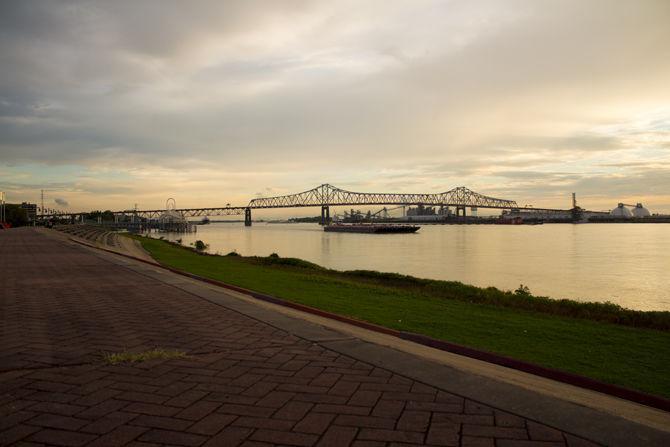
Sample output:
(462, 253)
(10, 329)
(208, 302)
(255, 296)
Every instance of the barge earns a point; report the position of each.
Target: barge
(371, 228)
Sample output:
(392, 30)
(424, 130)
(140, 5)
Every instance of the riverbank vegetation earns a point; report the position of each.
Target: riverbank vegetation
(599, 340)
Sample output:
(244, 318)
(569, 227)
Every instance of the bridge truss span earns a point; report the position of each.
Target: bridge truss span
(328, 195)
(189, 212)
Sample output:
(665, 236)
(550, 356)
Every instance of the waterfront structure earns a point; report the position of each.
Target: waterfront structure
(622, 211)
(640, 211)
(171, 220)
(30, 209)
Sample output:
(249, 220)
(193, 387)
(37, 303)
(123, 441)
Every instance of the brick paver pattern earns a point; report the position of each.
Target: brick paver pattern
(244, 382)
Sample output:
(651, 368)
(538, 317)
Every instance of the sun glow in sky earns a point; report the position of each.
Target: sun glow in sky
(108, 104)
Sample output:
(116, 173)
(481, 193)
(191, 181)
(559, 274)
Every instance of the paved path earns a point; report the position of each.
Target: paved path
(244, 382)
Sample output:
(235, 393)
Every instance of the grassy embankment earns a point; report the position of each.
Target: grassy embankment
(602, 341)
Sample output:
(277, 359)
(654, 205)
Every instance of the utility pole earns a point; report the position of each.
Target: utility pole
(42, 201)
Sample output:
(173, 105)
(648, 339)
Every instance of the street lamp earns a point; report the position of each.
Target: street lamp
(2, 207)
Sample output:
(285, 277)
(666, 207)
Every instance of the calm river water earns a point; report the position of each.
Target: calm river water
(628, 264)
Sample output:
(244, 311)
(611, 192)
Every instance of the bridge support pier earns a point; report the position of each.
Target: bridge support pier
(247, 217)
(459, 210)
(325, 215)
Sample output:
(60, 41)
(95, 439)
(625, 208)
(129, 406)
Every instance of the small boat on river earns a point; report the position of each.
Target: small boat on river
(371, 228)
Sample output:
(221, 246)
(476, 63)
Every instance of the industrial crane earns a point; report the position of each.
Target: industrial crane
(385, 212)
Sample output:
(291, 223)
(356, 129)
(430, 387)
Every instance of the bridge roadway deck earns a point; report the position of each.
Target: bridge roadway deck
(252, 377)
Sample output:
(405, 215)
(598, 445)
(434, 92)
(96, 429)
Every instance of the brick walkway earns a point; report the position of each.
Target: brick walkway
(244, 382)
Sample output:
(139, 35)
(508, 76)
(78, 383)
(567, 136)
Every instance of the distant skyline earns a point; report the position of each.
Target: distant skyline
(109, 104)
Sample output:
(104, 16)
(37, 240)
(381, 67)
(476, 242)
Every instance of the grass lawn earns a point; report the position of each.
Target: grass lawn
(487, 319)
(114, 358)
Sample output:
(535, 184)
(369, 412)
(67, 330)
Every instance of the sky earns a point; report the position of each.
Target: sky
(110, 104)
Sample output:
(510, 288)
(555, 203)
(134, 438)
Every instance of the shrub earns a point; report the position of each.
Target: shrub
(274, 259)
(200, 245)
(522, 291)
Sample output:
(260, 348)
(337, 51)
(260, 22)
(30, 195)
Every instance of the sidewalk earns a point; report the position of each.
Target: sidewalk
(252, 377)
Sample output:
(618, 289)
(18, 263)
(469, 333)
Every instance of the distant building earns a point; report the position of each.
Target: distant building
(421, 210)
(640, 211)
(30, 209)
(621, 211)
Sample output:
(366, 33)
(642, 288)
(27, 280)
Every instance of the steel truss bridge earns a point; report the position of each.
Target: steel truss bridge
(327, 195)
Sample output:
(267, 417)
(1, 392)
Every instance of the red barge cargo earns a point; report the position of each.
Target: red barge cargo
(371, 228)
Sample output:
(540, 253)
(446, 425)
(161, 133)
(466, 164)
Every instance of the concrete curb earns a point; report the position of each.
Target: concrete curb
(549, 373)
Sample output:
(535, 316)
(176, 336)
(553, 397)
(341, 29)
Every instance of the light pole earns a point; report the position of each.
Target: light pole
(2, 207)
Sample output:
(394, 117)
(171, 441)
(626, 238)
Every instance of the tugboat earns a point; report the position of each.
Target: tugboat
(371, 228)
(204, 221)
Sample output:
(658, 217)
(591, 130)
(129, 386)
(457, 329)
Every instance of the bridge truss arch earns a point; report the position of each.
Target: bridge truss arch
(328, 195)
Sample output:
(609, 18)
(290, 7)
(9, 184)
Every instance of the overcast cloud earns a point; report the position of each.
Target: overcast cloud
(113, 103)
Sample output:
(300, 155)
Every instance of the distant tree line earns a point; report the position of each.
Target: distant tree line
(305, 219)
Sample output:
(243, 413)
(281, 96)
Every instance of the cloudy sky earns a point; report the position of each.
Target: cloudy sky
(108, 104)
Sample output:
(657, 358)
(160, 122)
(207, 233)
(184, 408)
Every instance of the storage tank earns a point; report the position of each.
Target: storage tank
(640, 211)
(621, 211)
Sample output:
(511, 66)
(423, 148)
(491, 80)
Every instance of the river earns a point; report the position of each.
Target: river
(627, 264)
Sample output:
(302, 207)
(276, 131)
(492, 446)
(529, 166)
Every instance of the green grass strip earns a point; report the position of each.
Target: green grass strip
(113, 358)
(518, 325)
